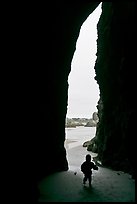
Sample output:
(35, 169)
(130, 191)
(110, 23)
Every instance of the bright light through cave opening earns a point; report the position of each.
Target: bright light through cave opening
(83, 91)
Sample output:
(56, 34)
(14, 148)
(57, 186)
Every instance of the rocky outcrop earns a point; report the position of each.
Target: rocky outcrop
(95, 116)
(91, 123)
(91, 145)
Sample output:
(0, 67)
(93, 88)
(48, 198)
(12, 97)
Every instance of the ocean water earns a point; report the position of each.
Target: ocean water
(77, 136)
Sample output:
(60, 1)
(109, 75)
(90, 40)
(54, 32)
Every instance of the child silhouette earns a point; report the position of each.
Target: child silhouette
(86, 168)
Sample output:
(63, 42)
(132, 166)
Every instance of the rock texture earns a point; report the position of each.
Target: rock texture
(52, 32)
(115, 71)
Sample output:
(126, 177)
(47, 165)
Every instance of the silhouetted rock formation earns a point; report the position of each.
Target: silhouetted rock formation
(115, 71)
(91, 145)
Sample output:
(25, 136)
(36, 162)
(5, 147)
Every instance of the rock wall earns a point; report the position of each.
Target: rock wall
(53, 31)
(115, 74)
(55, 46)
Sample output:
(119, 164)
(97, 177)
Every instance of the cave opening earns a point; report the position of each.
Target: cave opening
(83, 90)
(115, 57)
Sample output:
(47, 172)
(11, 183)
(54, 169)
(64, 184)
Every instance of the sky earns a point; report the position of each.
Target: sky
(83, 92)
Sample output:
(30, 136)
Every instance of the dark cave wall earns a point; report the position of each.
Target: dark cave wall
(52, 40)
(54, 43)
(115, 74)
